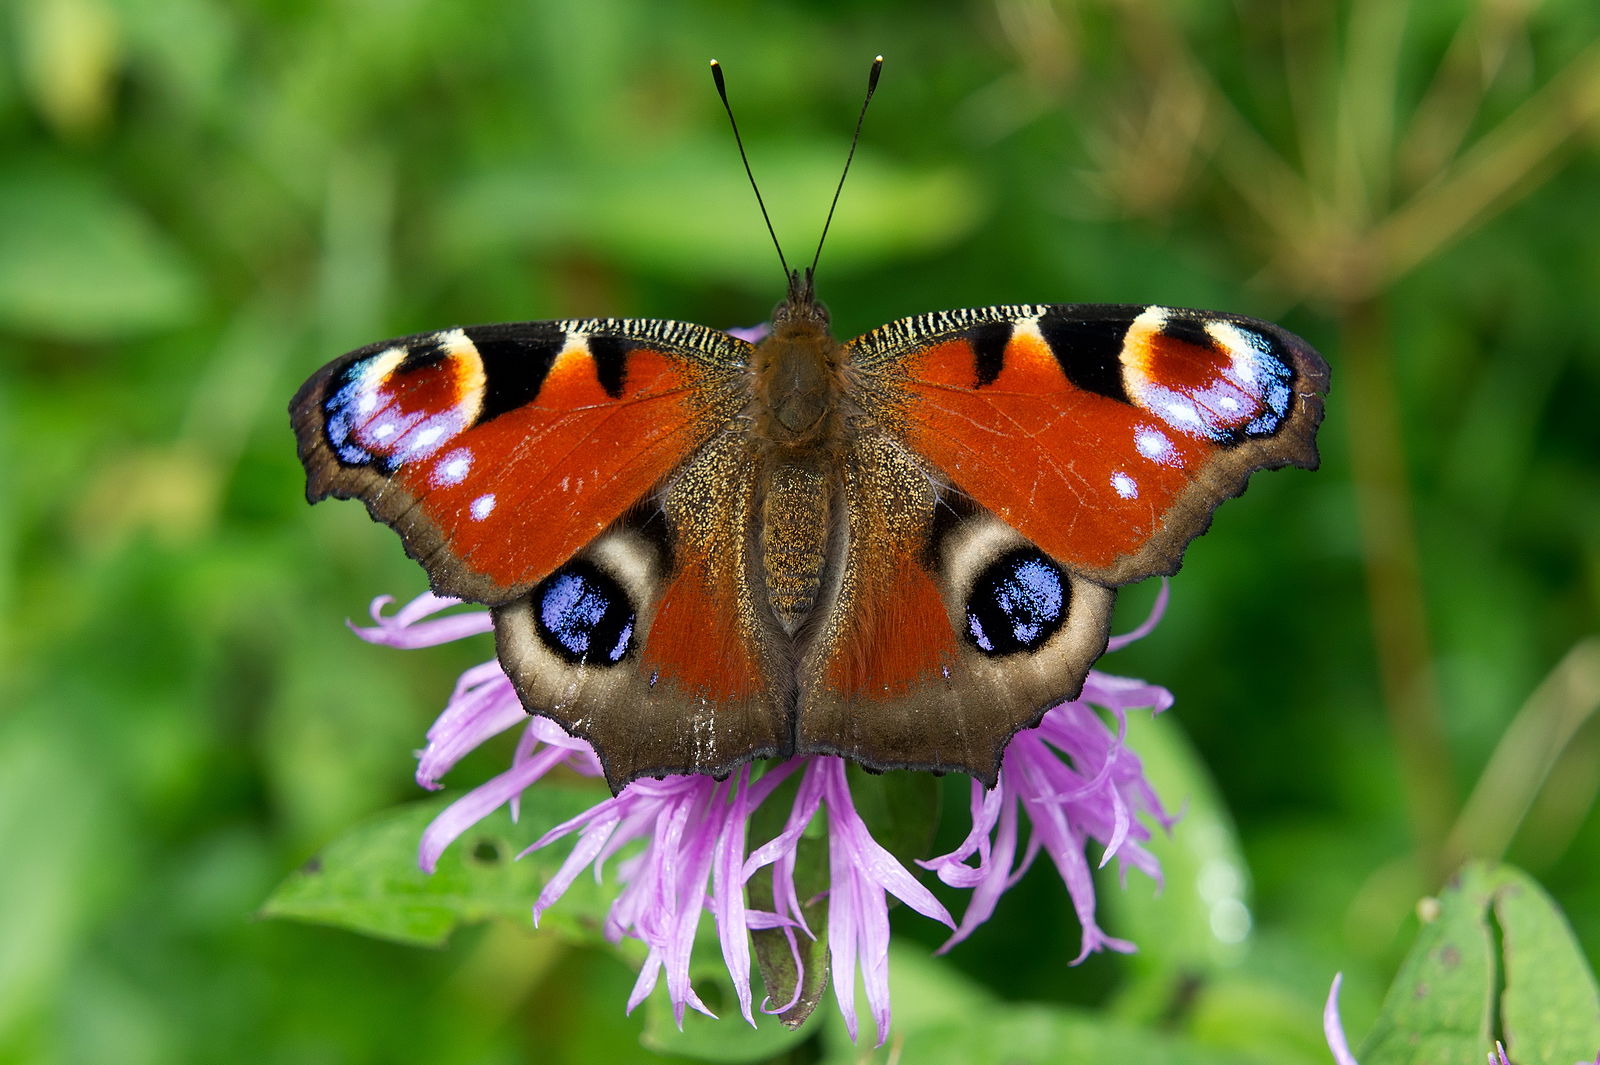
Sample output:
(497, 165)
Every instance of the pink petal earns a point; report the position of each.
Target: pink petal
(1157, 609)
(475, 805)
(1333, 1029)
(406, 629)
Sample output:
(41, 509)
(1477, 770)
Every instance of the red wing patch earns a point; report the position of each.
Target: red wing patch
(518, 495)
(696, 642)
(897, 636)
(889, 632)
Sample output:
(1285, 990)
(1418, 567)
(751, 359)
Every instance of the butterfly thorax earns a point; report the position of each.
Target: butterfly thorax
(798, 387)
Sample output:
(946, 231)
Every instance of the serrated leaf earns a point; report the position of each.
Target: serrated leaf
(367, 880)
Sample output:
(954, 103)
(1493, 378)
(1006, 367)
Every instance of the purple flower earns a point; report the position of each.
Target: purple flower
(1333, 1029)
(751, 334)
(682, 842)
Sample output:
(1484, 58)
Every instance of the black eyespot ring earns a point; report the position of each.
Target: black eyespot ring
(584, 615)
(1017, 603)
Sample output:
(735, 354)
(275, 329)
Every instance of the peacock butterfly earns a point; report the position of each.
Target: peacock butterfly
(900, 549)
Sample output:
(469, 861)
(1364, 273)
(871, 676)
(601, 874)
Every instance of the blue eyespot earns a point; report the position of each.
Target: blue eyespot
(584, 615)
(1017, 603)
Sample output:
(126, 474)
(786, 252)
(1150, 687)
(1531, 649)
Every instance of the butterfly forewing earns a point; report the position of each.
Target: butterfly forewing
(498, 451)
(1106, 434)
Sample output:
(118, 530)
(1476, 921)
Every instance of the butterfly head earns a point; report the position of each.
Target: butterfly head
(800, 312)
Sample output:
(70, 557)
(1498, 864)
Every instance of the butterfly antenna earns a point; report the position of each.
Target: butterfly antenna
(722, 91)
(872, 87)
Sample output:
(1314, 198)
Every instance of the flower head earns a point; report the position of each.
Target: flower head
(683, 849)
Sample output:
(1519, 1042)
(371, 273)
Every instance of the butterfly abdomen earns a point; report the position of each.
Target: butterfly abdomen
(794, 534)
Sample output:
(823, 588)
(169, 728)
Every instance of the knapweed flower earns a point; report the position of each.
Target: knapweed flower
(1333, 1030)
(683, 849)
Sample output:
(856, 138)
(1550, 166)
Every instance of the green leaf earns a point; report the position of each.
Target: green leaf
(78, 262)
(367, 880)
(1439, 1008)
(1495, 960)
(1550, 1009)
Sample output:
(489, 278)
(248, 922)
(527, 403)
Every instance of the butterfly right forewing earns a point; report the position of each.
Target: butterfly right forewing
(1107, 434)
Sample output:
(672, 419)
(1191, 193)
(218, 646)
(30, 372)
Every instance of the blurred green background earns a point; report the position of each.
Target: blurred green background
(1382, 665)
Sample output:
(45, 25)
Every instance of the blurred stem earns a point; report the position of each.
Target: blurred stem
(1522, 762)
(1394, 579)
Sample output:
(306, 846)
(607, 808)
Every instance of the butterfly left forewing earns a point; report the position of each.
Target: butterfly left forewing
(497, 452)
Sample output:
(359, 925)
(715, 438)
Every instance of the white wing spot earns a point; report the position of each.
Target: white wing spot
(1125, 486)
(483, 506)
(454, 467)
(1181, 413)
(1152, 444)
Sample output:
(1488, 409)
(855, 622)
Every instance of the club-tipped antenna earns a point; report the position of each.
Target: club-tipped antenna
(722, 91)
(872, 87)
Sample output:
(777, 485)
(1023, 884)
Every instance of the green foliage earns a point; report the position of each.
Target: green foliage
(368, 881)
(1382, 669)
(1495, 960)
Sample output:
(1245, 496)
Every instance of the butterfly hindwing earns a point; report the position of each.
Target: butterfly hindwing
(945, 631)
(498, 451)
(649, 643)
(1106, 434)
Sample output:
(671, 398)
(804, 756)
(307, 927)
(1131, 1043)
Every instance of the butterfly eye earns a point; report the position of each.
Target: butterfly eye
(1017, 603)
(584, 615)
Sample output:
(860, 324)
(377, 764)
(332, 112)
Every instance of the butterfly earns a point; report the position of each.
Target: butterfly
(900, 549)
